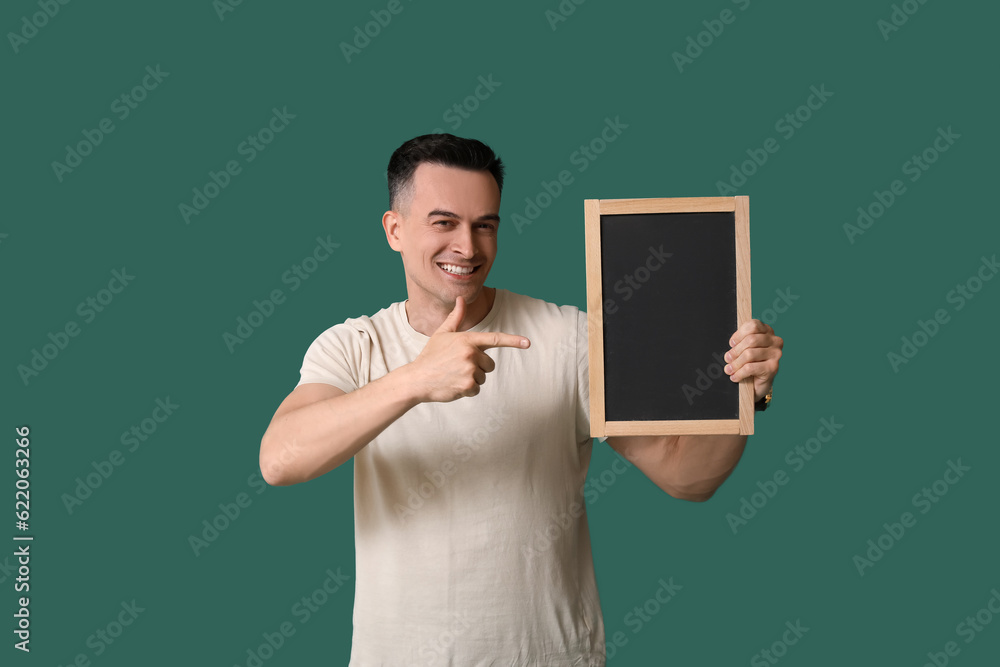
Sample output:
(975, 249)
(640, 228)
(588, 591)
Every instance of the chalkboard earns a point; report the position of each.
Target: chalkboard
(668, 282)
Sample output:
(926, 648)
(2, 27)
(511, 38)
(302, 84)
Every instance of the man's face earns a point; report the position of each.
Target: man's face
(446, 233)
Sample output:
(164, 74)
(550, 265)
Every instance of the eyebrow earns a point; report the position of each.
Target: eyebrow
(448, 214)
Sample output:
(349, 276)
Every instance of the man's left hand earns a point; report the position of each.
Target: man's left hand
(754, 352)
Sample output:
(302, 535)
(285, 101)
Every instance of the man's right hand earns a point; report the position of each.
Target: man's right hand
(453, 364)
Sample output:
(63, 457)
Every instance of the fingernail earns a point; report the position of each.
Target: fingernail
(729, 369)
(729, 356)
(524, 342)
(732, 342)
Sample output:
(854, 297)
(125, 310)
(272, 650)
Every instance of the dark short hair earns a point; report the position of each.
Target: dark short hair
(443, 149)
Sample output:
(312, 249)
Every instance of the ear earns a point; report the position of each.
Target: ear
(391, 223)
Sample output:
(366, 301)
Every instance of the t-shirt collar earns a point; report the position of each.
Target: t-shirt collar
(484, 324)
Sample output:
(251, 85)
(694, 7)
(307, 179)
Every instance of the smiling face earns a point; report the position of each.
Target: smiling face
(446, 232)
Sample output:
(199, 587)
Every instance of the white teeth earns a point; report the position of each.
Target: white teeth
(458, 270)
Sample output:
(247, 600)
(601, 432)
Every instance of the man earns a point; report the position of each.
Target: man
(471, 534)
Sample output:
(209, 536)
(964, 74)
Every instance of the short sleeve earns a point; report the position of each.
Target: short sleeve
(334, 358)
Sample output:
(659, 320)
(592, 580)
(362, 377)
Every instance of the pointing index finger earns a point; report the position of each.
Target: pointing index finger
(484, 340)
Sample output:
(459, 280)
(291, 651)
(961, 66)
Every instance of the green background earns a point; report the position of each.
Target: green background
(324, 175)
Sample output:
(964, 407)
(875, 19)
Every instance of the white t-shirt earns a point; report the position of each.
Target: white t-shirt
(470, 525)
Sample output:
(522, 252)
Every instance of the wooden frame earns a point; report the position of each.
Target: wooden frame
(593, 210)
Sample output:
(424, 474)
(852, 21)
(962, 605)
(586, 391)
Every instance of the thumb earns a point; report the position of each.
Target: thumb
(454, 317)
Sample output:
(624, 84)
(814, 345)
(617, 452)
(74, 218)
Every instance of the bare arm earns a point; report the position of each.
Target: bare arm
(689, 467)
(318, 426)
(692, 467)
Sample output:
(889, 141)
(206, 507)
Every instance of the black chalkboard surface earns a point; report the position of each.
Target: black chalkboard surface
(668, 273)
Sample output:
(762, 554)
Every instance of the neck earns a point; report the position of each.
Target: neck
(427, 317)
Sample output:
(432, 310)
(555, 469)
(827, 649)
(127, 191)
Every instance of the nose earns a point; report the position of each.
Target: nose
(462, 242)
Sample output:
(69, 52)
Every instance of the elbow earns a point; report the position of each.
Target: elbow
(692, 497)
(693, 493)
(272, 468)
(272, 476)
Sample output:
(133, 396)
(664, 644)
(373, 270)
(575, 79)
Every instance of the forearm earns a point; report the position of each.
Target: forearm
(689, 467)
(313, 440)
(701, 463)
